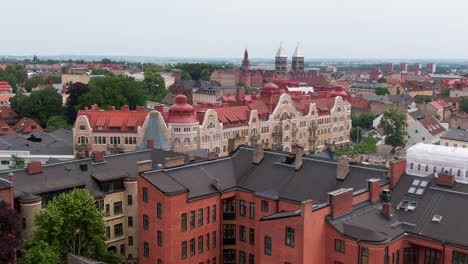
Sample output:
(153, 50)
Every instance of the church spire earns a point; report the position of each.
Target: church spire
(298, 53)
(281, 52)
(246, 62)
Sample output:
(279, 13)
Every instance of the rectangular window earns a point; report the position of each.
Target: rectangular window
(184, 249)
(432, 256)
(200, 217)
(208, 215)
(252, 236)
(213, 239)
(192, 219)
(242, 233)
(129, 199)
(208, 241)
(192, 246)
(213, 213)
(265, 206)
(118, 230)
(387, 256)
(159, 238)
(252, 210)
(200, 244)
(146, 249)
(411, 255)
(268, 246)
(122, 249)
(459, 258)
(159, 210)
(364, 256)
(130, 240)
(183, 222)
(242, 257)
(130, 221)
(107, 231)
(340, 245)
(251, 259)
(145, 222)
(290, 236)
(117, 208)
(243, 208)
(229, 256)
(145, 194)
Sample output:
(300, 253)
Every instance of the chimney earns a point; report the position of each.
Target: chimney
(341, 201)
(387, 210)
(159, 108)
(397, 168)
(298, 160)
(144, 165)
(172, 162)
(150, 143)
(258, 154)
(211, 155)
(98, 156)
(374, 189)
(125, 108)
(342, 170)
(34, 167)
(446, 180)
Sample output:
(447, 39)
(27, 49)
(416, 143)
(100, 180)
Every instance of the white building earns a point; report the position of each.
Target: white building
(6, 158)
(427, 130)
(425, 159)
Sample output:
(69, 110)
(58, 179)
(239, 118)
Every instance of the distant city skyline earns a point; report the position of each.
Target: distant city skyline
(220, 29)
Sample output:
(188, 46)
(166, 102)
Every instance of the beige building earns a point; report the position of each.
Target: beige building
(74, 78)
(457, 138)
(313, 124)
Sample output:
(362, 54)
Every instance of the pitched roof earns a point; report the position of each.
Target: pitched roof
(432, 125)
(281, 52)
(298, 53)
(124, 120)
(456, 134)
(59, 142)
(271, 178)
(27, 125)
(7, 112)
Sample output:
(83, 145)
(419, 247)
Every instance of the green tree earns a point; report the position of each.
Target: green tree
(381, 90)
(186, 76)
(40, 105)
(445, 92)
(419, 100)
(74, 91)
(71, 224)
(394, 126)
(364, 120)
(39, 252)
(102, 72)
(356, 133)
(205, 74)
(57, 122)
(154, 85)
(31, 83)
(113, 91)
(367, 146)
(17, 162)
(9, 232)
(464, 105)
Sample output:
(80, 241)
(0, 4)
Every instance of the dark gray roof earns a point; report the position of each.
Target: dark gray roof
(456, 134)
(155, 132)
(59, 142)
(271, 178)
(450, 203)
(416, 115)
(84, 172)
(281, 215)
(5, 184)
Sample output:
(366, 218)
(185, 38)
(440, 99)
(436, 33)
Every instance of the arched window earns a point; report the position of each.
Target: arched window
(211, 125)
(82, 140)
(217, 150)
(341, 139)
(195, 140)
(254, 132)
(284, 116)
(286, 128)
(176, 142)
(187, 141)
(427, 167)
(224, 148)
(419, 167)
(286, 139)
(216, 138)
(411, 165)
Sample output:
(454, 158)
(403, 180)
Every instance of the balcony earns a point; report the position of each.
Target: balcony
(81, 147)
(116, 148)
(229, 215)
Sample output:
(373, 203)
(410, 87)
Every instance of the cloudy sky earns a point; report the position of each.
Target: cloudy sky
(221, 28)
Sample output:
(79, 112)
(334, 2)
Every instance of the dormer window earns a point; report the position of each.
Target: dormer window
(99, 128)
(82, 127)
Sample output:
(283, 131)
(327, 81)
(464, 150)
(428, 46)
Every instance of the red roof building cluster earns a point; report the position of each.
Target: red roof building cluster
(27, 125)
(432, 125)
(5, 87)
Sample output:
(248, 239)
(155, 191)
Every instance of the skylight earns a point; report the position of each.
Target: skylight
(418, 187)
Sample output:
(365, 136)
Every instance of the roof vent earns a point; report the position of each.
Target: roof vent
(437, 218)
(84, 166)
(215, 184)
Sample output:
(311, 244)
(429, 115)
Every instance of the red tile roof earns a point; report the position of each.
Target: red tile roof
(432, 125)
(5, 87)
(5, 128)
(27, 125)
(124, 120)
(7, 112)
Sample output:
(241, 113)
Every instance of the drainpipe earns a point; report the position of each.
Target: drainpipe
(443, 252)
(359, 252)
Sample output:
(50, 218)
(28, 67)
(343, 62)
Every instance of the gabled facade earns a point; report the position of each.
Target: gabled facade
(427, 130)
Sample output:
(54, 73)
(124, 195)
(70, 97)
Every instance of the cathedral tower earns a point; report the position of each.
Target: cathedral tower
(246, 62)
(281, 60)
(297, 60)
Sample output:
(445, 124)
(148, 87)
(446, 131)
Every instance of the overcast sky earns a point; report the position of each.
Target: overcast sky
(222, 28)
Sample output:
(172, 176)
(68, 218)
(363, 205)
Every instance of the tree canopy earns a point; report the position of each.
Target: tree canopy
(70, 224)
(381, 90)
(74, 91)
(394, 126)
(464, 105)
(9, 232)
(14, 74)
(57, 122)
(113, 91)
(367, 146)
(364, 120)
(154, 85)
(445, 92)
(40, 105)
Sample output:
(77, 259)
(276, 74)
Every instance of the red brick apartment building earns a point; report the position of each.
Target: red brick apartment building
(267, 207)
